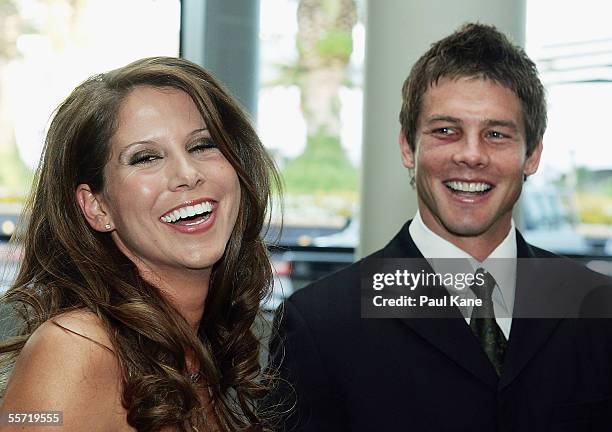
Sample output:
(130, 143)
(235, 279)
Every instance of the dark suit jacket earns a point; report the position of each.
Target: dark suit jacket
(344, 373)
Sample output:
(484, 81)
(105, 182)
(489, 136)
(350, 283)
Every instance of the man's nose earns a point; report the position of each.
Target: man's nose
(472, 151)
(184, 173)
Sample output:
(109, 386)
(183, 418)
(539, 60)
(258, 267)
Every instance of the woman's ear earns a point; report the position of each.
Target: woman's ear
(93, 209)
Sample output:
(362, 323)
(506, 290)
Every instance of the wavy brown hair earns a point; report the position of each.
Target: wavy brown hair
(67, 265)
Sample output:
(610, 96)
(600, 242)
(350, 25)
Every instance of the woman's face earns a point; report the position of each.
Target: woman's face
(170, 195)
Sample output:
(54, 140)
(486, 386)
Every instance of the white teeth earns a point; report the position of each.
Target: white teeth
(187, 211)
(468, 187)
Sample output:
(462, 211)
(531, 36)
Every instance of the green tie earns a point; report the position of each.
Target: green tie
(483, 324)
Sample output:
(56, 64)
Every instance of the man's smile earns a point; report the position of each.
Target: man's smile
(469, 187)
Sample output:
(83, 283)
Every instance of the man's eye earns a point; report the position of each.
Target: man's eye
(496, 135)
(202, 145)
(143, 158)
(444, 131)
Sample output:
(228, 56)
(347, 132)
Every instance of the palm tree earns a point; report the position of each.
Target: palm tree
(324, 44)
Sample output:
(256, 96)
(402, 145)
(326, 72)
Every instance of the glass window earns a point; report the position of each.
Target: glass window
(573, 185)
(47, 47)
(309, 112)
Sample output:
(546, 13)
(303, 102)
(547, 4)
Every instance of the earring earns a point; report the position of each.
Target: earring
(412, 179)
(108, 226)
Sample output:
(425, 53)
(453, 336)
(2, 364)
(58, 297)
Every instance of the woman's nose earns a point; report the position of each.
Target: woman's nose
(184, 174)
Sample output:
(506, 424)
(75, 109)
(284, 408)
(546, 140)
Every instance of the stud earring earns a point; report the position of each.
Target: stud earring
(108, 226)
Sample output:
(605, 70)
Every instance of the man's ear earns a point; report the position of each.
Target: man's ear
(93, 209)
(407, 153)
(533, 160)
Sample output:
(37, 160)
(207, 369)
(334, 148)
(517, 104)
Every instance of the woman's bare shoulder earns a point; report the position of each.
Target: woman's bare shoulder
(68, 365)
(85, 324)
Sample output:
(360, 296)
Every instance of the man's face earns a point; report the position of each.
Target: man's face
(470, 158)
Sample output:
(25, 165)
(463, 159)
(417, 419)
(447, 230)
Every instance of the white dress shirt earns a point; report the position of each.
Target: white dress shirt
(436, 249)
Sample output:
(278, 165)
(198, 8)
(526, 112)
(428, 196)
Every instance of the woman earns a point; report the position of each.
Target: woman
(143, 264)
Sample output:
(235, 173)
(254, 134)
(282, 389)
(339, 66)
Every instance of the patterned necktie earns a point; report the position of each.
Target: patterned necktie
(483, 324)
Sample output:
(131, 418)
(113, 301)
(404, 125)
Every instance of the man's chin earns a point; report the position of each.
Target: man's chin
(467, 228)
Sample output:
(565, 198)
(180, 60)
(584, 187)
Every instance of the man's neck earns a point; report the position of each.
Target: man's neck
(479, 246)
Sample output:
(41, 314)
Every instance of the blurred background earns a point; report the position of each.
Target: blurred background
(321, 80)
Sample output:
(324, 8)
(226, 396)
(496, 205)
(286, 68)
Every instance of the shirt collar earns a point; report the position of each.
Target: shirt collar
(433, 246)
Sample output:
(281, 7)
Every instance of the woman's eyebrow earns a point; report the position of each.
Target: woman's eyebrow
(127, 147)
(197, 131)
(151, 141)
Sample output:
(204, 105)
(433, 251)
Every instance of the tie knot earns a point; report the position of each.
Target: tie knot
(483, 284)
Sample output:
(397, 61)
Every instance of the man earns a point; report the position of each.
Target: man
(473, 118)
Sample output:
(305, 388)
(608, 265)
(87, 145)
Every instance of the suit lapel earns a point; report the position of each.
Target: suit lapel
(450, 335)
(453, 337)
(527, 335)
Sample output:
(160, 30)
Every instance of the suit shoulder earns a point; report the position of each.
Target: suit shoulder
(569, 264)
(334, 299)
(543, 253)
(339, 283)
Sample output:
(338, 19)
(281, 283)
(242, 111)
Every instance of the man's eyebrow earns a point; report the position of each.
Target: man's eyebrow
(444, 118)
(488, 123)
(503, 123)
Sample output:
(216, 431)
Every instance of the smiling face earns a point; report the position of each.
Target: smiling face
(170, 196)
(470, 159)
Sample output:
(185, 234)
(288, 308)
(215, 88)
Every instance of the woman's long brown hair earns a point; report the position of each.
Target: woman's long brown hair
(67, 265)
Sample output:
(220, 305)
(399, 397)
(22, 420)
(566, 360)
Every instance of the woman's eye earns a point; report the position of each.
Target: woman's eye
(202, 145)
(141, 159)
